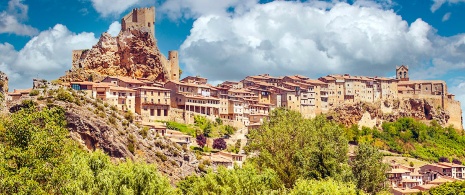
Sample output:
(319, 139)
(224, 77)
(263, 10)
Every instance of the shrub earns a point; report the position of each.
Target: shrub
(144, 132)
(161, 156)
(34, 92)
(129, 116)
(443, 159)
(65, 96)
(456, 161)
(112, 120)
(219, 144)
(201, 140)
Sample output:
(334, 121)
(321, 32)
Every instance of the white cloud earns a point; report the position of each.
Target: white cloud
(311, 41)
(108, 8)
(114, 28)
(438, 3)
(10, 19)
(176, 9)
(446, 16)
(47, 55)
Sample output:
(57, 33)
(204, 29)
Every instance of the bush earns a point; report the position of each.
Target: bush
(144, 132)
(34, 92)
(161, 156)
(129, 116)
(219, 144)
(201, 140)
(65, 96)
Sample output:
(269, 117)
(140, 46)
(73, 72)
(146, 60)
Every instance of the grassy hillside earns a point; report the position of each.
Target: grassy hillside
(413, 138)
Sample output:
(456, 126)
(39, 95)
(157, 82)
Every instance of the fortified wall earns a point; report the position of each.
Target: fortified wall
(138, 18)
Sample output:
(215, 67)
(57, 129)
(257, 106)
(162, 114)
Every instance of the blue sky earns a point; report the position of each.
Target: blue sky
(228, 39)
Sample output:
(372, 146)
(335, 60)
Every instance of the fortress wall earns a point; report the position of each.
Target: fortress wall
(76, 58)
(455, 111)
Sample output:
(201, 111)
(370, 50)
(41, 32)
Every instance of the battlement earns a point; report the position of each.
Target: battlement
(138, 18)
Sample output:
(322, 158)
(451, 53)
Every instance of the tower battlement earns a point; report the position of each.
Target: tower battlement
(139, 17)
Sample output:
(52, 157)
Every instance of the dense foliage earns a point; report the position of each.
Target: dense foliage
(204, 126)
(219, 144)
(457, 187)
(314, 152)
(201, 140)
(300, 148)
(411, 137)
(247, 180)
(37, 157)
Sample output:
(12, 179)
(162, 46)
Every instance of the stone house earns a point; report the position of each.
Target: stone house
(153, 103)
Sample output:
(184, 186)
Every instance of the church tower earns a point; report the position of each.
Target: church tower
(402, 73)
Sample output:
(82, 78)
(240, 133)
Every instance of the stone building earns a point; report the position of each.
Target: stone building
(153, 103)
(138, 18)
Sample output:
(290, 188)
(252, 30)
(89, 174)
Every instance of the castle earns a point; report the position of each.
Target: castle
(142, 19)
(138, 18)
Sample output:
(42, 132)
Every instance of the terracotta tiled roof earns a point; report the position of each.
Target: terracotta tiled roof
(153, 88)
(115, 88)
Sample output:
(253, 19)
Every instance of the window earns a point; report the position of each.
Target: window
(290, 98)
(152, 112)
(158, 93)
(114, 93)
(166, 112)
(151, 93)
(158, 112)
(130, 94)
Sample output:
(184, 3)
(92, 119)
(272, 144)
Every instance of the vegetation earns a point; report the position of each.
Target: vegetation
(413, 138)
(368, 177)
(247, 180)
(298, 148)
(219, 144)
(328, 186)
(37, 157)
(201, 140)
(203, 126)
(34, 92)
(457, 187)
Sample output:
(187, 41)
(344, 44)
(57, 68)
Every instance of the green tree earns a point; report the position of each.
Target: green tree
(324, 187)
(245, 180)
(368, 169)
(300, 148)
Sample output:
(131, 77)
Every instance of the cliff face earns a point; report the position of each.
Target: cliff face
(366, 114)
(132, 53)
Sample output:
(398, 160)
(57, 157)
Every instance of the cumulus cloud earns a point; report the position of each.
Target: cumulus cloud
(311, 41)
(46, 55)
(114, 28)
(438, 3)
(108, 8)
(446, 16)
(176, 9)
(12, 18)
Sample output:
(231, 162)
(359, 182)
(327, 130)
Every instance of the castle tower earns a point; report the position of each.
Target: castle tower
(402, 73)
(141, 17)
(174, 63)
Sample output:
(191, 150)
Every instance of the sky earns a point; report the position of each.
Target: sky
(230, 39)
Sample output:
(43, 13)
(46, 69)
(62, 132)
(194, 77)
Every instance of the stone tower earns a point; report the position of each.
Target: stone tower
(402, 73)
(139, 17)
(174, 64)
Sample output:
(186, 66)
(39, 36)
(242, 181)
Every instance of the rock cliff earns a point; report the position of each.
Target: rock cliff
(373, 114)
(132, 53)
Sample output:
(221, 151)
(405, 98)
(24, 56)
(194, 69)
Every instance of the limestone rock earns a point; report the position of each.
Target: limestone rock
(389, 110)
(133, 53)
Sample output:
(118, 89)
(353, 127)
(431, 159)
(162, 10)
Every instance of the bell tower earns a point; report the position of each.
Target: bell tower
(402, 73)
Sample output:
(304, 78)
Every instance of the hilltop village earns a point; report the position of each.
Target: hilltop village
(151, 88)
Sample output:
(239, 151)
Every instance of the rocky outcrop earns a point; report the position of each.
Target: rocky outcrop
(3, 83)
(96, 126)
(132, 53)
(366, 114)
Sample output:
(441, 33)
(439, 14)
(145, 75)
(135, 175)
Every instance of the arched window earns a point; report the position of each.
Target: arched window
(405, 74)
